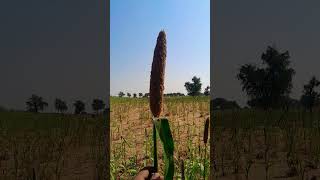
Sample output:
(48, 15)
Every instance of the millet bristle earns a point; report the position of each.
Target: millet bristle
(157, 75)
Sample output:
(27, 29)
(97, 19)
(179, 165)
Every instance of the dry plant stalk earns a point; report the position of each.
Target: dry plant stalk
(205, 140)
(157, 75)
(206, 131)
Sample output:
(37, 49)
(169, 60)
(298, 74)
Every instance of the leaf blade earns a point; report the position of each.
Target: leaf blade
(164, 132)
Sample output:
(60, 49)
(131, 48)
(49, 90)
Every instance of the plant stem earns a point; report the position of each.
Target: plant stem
(204, 162)
(155, 158)
(182, 170)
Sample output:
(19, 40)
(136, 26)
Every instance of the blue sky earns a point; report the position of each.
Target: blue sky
(134, 29)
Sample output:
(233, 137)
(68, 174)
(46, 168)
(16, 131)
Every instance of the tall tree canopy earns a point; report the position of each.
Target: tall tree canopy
(79, 107)
(193, 88)
(221, 103)
(36, 103)
(310, 97)
(60, 105)
(271, 84)
(121, 94)
(98, 105)
(207, 91)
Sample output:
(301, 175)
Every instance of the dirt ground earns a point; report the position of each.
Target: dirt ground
(300, 162)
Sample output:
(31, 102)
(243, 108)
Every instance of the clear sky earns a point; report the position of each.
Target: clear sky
(52, 49)
(242, 30)
(134, 29)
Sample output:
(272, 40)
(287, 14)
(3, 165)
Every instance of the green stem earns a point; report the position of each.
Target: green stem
(155, 158)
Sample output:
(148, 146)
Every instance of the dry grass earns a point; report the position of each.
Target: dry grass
(288, 153)
(51, 146)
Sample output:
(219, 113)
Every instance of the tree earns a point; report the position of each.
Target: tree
(134, 95)
(193, 88)
(36, 103)
(207, 91)
(310, 97)
(121, 94)
(146, 95)
(269, 86)
(173, 94)
(291, 103)
(60, 105)
(128, 94)
(3, 109)
(79, 107)
(221, 103)
(140, 95)
(98, 105)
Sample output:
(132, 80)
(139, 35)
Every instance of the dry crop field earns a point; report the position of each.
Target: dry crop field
(253, 144)
(131, 136)
(259, 118)
(51, 146)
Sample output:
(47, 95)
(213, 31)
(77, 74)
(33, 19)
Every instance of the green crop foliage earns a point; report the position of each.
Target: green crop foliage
(164, 132)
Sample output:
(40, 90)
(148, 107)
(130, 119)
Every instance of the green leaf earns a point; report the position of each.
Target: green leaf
(164, 132)
(132, 171)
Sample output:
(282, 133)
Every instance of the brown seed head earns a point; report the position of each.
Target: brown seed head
(157, 75)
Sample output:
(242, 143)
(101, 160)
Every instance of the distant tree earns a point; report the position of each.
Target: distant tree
(60, 105)
(221, 103)
(134, 95)
(79, 107)
(193, 88)
(36, 103)
(173, 94)
(207, 91)
(291, 103)
(3, 109)
(140, 95)
(121, 94)
(128, 94)
(146, 95)
(310, 97)
(98, 105)
(268, 86)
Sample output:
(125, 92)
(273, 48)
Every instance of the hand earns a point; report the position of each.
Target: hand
(144, 174)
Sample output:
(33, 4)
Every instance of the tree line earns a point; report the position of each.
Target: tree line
(193, 89)
(36, 103)
(269, 86)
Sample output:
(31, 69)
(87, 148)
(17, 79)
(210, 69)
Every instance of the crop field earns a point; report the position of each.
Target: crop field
(258, 118)
(253, 144)
(131, 136)
(51, 146)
